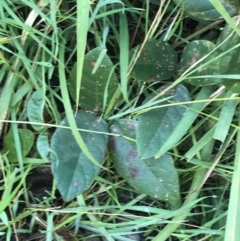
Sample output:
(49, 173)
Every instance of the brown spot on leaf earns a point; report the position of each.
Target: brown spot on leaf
(131, 154)
(92, 63)
(133, 125)
(194, 59)
(133, 172)
(112, 144)
(144, 53)
(152, 79)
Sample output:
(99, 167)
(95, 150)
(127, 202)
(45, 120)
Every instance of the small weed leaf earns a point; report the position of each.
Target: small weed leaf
(204, 9)
(157, 61)
(155, 177)
(35, 107)
(156, 125)
(93, 86)
(72, 170)
(230, 39)
(195, 51)
(26, 143)
(43, 144)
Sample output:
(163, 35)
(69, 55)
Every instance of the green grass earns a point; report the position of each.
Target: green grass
(39, 45)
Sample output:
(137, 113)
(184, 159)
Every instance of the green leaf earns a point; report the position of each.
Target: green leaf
(193, 52)
(94, 86)
(155, 177)
(72, 170)
(43, 144)
(186, 122)
(229, 40)
(204, 9)
(232, 85)
(157, 61)
(26, 142)
(35, 107)
(156, 125)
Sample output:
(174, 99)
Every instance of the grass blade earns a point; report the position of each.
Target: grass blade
(68, 108)
(200, 144)
(124, 59)
(225, 118)
(83, 7)
(232, 232)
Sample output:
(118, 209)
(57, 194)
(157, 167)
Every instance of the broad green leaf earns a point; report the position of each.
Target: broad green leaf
(26, 142)
(230, 40)
(157, 61)
(43, 144)
(35, 107)
(186, 122)
(155, 177)
(156, 125)
(204, 9)
(72, 170)
(94, 86)
(232, 85)
(193, 52)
